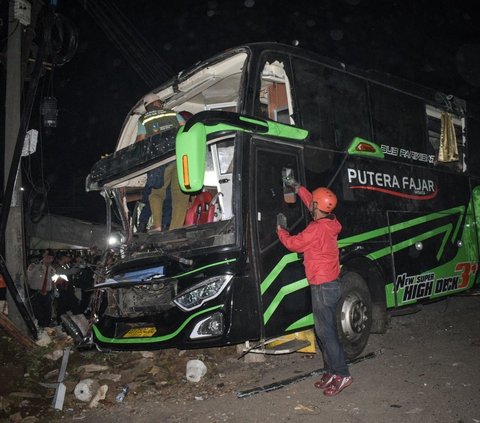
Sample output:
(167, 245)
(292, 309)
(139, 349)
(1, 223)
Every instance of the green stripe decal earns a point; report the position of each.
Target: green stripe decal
(408, 224)
(162, 338)
(301, 323)
(409, 242)
(286, 259)
(181, 275)
(282, 293)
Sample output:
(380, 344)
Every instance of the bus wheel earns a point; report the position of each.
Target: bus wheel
(354, 314)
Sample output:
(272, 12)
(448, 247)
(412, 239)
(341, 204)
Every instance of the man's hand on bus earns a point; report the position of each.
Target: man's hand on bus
(281, 221)
(290, 181)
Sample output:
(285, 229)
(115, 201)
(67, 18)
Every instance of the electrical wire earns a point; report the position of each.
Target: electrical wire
(61, 40)
(148, 54)
(153, 56)
(121, 41)
(37, 198)
(137, 51)
(124, 43)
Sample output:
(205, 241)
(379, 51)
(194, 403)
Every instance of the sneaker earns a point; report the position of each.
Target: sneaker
(325, 381)
(338, 384)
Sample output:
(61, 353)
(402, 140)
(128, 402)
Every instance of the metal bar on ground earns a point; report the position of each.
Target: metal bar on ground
(61, 389)
(278, 385)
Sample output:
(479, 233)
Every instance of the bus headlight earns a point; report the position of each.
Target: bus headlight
(211, 326)
(199, 294)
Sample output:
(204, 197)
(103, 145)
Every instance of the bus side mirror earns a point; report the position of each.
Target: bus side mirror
(191, 150)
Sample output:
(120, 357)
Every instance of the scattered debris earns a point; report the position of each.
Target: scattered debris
(123, 393)
(92, 368)
(44, 338)
(154, 370)
(301, 407)
(61, 390)
(24, 395)
(114, 377)
(100, 395)
(278, 385)
(86, 389)
(12, 330)
(196, 369)
(54, 355)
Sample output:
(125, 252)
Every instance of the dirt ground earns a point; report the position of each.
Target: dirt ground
(426, 368)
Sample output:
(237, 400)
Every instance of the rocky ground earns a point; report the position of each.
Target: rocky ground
(426, 368)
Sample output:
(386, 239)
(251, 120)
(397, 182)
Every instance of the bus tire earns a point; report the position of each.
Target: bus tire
(354, 314)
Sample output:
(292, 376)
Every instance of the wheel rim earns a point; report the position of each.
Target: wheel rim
(354, 317)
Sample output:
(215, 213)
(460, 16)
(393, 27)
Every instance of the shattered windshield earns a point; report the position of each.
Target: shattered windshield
(215, 85)
(161, 214)
(141, 174)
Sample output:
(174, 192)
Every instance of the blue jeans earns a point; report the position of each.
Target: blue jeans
(325, 298)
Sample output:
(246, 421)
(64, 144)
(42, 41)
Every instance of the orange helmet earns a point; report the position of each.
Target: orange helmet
(326, 200)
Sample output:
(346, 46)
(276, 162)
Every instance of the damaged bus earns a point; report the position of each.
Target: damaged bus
(398, 156)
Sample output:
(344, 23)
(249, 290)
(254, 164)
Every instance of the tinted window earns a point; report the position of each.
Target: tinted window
(473, 137)
(399, 124)
(332, 104)
(269, 193)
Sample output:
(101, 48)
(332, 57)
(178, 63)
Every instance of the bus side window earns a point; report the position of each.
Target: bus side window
(450, 152)
(269, 193)
(219, 176)
(274, 96)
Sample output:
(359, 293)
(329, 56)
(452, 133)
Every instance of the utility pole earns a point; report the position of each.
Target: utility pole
(14, 234)
(17, 118)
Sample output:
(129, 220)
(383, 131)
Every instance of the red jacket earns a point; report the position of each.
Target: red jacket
(318, 243)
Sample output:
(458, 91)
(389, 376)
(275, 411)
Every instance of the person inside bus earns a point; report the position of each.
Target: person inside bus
(161, 181)
(318, 243)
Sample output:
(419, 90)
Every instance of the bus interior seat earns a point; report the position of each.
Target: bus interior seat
(202, 209)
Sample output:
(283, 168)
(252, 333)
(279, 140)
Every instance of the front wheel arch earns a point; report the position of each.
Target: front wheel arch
(354, 314)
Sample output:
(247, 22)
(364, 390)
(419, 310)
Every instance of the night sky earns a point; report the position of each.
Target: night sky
(433, 43)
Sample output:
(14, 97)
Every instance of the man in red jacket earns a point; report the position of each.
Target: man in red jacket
(318, 243)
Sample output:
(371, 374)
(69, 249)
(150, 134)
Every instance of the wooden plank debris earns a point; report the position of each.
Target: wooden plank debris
(12, 330)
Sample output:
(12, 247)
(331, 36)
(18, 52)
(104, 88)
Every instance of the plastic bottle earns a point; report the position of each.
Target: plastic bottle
(121, 396)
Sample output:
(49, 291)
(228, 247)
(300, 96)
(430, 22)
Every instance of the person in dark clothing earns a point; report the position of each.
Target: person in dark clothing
(66, 300)
(39, 276)
(318, 243)
(84, 281)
